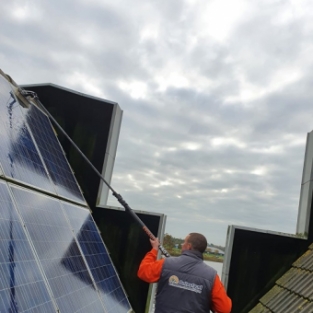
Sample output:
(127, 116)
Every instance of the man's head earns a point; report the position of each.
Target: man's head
(195, 241)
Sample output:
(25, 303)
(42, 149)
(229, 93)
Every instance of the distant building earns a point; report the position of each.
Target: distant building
(215, 250)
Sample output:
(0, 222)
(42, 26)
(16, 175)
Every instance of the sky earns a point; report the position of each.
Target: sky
(216, 95)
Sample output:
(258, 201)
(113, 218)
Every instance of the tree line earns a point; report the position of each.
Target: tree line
(170, 242)
(173, 246)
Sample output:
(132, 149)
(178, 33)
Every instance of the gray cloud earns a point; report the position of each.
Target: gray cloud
(217, 103)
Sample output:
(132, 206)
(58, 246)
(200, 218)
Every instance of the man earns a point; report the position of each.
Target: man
(185, 283)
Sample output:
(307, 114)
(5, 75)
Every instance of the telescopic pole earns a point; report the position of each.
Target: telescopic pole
(114, 193)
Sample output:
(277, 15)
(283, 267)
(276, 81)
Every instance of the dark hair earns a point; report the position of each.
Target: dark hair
(198, 242)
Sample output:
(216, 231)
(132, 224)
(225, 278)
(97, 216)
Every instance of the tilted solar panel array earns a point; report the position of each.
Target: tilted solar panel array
(52, 257)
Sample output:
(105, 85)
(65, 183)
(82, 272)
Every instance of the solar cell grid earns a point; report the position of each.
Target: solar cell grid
(22, 286)
(98, 260)
(52, 237)
(19, 157)
(52, 153)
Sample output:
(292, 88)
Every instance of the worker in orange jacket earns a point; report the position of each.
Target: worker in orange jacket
(185, 283)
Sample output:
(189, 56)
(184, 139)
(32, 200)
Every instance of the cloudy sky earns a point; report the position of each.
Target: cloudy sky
(217, 98)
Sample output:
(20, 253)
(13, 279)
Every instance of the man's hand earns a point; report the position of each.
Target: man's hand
(155, 243)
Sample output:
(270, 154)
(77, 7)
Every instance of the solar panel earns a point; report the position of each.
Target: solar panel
(22, 285)
(51, 236)
(52, 257)
(19, 157)
(31, 150)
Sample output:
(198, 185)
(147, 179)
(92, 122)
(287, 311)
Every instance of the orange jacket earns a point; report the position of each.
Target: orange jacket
(150, 270)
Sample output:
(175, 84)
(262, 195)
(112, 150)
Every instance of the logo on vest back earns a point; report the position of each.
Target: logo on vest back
(174, 281)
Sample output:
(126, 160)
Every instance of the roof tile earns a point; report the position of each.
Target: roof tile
(260, 308)
(293, 292)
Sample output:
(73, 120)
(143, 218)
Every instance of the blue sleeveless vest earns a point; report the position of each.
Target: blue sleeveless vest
(185, 285)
